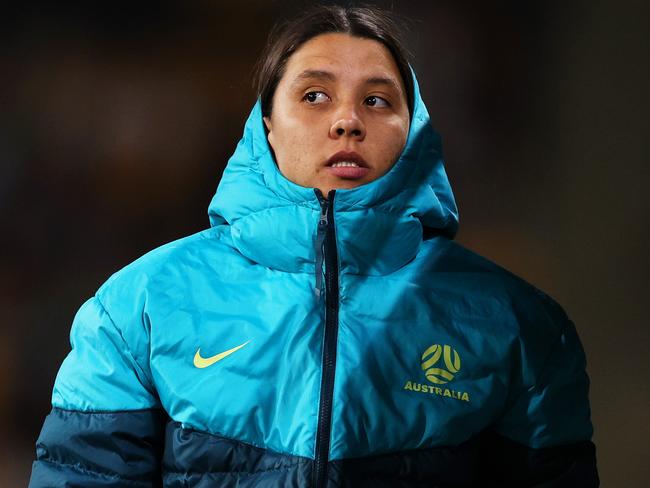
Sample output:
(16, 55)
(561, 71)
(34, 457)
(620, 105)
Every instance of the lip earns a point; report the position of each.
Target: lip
(347, 156)
(348, 172)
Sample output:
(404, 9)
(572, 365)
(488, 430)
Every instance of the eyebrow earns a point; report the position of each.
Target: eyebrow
(311, 74)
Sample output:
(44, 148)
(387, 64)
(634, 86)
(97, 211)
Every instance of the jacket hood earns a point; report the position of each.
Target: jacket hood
(380, 225)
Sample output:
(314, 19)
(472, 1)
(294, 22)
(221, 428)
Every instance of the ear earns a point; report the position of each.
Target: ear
(267, 123)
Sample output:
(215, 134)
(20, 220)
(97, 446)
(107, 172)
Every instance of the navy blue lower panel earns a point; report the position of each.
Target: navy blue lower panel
(198, 459)
(143, 449)
(115, 449)
(439, 467)
(487, 460)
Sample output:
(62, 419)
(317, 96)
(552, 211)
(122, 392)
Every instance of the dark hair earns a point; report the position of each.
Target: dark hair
(286, 37)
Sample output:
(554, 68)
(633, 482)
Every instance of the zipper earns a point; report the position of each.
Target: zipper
(328, 254)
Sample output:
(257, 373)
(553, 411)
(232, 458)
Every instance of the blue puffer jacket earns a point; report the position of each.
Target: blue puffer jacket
(304, 341)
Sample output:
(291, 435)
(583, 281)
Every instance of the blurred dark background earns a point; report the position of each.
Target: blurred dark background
(116, 121)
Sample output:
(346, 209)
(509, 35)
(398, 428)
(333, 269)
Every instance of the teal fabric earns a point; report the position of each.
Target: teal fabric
(515, 360)
(100, 373)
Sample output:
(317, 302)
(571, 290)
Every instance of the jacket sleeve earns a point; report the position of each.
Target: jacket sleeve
(106, 427)
(543, 439)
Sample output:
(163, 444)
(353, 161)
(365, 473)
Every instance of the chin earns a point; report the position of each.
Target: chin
(347, 184)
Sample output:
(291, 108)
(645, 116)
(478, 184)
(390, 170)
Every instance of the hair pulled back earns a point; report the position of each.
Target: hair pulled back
(287, 37)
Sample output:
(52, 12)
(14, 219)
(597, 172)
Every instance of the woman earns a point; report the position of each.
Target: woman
(326, 330)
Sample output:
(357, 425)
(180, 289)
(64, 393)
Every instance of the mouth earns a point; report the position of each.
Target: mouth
(347, 165)
(346, 159)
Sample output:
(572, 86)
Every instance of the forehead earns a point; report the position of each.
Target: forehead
(344, 56)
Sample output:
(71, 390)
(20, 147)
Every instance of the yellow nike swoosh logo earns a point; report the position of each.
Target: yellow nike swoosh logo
(201, 362)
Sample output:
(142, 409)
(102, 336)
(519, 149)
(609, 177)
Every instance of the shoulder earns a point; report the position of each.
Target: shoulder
(165, 256)
(484, 289)
(461, 264)
(125, 293)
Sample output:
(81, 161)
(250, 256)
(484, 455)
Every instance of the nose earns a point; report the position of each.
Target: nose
(348, 125)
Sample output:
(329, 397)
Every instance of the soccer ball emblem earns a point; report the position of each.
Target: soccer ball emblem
(431, 357)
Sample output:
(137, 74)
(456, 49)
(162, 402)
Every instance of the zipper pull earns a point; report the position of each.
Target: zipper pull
(321, 234)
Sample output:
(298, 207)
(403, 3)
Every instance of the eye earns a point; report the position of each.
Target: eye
(315, 97)
(375, 101)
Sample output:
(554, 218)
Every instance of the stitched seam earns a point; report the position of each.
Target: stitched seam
(284, 467)
(148, 386)
(108, 412)
(87, 471)
(526, 389)
(303, 204)
(224, 437)
(357, 207)
(466, 444)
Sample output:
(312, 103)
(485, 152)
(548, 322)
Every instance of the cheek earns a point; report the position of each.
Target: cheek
(392, 140)
(293, 147)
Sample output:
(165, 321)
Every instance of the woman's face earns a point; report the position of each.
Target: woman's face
(340, 115)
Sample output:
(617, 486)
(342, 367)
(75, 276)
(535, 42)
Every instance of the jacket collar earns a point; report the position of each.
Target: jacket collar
(379, 225)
